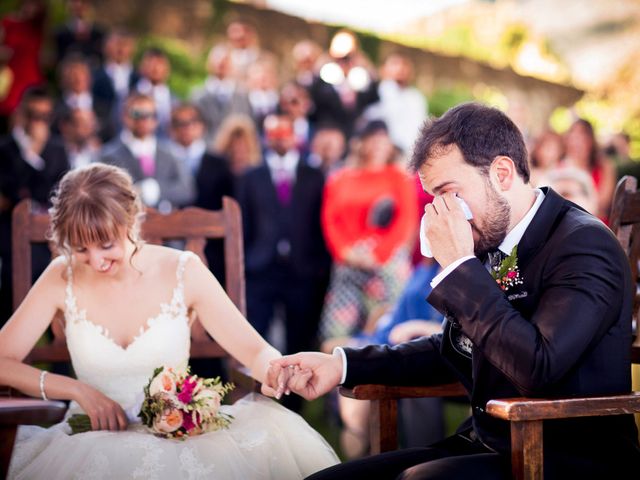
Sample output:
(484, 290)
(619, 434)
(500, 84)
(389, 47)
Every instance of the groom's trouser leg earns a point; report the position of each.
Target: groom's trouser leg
(480, 462)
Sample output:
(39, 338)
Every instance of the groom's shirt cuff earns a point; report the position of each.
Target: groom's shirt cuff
(340, 350)
(450, 268)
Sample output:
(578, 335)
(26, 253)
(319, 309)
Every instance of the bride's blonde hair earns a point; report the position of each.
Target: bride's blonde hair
(93, 204)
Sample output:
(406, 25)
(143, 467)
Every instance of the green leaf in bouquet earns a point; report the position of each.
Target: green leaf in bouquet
(79, 423)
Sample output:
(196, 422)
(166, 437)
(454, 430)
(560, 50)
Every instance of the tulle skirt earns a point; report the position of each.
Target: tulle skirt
(264, 441)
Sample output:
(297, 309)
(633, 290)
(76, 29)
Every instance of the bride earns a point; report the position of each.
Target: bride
(127, 309)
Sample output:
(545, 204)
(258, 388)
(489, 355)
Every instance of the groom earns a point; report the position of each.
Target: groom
(558, 325)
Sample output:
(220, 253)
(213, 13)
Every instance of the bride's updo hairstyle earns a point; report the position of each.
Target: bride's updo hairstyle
(93, 205)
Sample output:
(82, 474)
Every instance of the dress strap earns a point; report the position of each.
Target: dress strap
(71, 313)
(182, 262)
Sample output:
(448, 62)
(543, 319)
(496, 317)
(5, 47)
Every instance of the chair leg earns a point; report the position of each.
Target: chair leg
(526, 450)
(384, 425)
(7, 438)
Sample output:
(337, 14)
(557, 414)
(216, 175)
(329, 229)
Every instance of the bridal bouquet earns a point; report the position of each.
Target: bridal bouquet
(178, 404)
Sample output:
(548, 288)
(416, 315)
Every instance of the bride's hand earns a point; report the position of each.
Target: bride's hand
(104, 413)
(279, 380)
(319, 372)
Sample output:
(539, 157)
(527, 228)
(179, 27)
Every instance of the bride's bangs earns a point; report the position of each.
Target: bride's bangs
(93, 224)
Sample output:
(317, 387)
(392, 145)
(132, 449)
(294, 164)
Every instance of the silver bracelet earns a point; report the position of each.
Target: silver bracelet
(43, 373)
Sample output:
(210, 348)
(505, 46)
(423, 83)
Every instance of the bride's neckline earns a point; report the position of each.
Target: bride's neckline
(144, 328)
(173, 308)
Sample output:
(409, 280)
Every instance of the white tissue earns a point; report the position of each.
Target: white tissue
(425, 249)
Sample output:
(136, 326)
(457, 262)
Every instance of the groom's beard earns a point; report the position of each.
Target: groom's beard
(495, 223)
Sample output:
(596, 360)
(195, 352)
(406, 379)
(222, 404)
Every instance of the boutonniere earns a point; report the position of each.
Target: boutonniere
(507, 274)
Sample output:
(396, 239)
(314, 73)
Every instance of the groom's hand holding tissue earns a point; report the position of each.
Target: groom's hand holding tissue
(446, 228)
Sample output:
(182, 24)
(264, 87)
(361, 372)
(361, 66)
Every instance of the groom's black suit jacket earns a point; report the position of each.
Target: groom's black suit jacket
(566, 331)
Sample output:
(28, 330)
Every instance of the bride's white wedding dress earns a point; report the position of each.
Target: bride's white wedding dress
(264, 441)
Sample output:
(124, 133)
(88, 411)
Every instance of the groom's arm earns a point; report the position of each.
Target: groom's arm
(417, 362)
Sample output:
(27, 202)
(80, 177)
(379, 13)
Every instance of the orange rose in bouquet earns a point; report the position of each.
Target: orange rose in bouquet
(179, 404)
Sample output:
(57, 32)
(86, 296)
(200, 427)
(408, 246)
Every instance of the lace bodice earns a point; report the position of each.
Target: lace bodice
(121, 373)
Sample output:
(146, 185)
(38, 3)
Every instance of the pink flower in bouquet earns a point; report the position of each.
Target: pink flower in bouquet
(188, 387)
(163, 383)
(191, 421)
(169, 421)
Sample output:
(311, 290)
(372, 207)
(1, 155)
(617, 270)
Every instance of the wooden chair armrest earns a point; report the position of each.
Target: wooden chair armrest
(383, 414)
(388, 392)
(30, 411)
(242, 379)
(527, 414)
(526, 409)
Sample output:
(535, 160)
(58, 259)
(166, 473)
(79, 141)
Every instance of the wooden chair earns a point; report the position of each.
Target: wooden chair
(525, 414)
(193, 225)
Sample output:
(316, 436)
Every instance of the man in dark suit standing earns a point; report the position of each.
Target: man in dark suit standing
(285, 254)
(31, 163)
(80, 34)
(557, 324)
(213, 177)
(113, 81)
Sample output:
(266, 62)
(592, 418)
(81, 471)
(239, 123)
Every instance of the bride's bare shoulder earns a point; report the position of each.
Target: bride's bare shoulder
(56, 274)
(159, 256)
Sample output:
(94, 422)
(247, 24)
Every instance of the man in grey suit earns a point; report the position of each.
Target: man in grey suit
(221, 95)
(163, 181)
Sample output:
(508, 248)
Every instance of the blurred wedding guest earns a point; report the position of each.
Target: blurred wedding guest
(222, 94)
(78, 128)
(75, 89)
(33, 160)
(345, 86)
(80, 34)
(213, 177)
(163, 181)
(212, 173)
(113, 81)
(238, 141)
(401, 106)
(328, 148)
(369, 217)
(411, 317)
(574, 184)
(22, 37)
(582, 151)
(546, 154)
(262, 85)
(306, 55)
(245, 49)
(619, 150)
(295, 102)
(285, 254)
(155, 70)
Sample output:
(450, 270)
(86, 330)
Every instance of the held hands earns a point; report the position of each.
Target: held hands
(448, 231)
(309, 374)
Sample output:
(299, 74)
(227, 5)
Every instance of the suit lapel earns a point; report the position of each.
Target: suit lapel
(536, 234)
(130, 162)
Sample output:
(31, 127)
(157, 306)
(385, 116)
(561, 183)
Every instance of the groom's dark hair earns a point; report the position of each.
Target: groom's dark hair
(480, 132)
